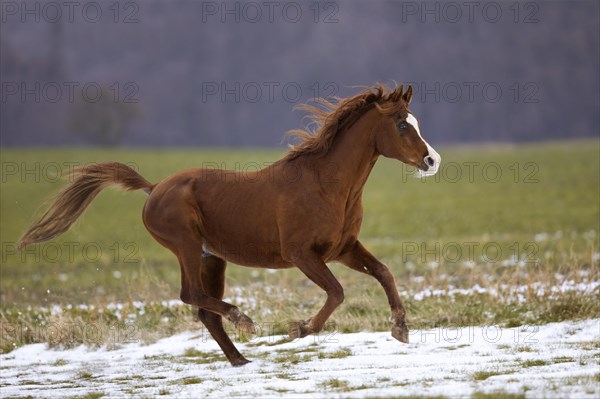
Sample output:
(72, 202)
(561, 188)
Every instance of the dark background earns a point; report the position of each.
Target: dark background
(181, 73)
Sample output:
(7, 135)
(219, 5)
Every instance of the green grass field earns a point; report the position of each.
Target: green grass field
(504, 235)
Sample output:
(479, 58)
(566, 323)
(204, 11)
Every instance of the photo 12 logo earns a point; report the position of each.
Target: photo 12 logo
(270, 12)
(474, 171)
(70, 333)
(256, 172)
(71, 92)
(470, 252)
(470, 92)
(70, 11)
(471, 335)
(453, 12)
(70, 251)
(269, 92)
(50, 172)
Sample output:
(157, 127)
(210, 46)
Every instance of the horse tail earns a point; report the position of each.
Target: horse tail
(72, 200)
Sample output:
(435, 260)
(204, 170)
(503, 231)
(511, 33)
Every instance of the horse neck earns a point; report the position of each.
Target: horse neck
(353, 154)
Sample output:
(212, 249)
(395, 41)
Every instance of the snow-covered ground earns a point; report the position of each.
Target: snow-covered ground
(555, 360)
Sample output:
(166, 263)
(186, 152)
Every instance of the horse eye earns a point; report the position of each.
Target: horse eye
(402, 126)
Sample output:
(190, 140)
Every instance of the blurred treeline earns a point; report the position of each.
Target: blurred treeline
(180, 73)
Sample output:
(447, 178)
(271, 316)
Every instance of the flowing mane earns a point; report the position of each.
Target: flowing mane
(330, 117)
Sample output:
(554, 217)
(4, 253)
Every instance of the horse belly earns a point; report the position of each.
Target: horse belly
(243, 231)
(250, 254)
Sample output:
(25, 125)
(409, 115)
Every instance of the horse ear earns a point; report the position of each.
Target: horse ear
(408, 95)
(396, 95)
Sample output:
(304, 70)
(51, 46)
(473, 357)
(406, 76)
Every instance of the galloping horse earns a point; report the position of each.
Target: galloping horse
(302, 211)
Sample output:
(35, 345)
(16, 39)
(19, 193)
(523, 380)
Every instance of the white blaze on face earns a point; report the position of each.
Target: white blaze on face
(432, 153)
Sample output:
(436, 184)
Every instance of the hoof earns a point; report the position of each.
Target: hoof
(400, 332)
(239, 362)
(299, 329)
(243, 323)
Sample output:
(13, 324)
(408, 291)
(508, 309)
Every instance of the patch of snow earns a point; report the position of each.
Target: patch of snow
(469, 264)
(410, 266)
(433, 265)
(558, 235)
(510, 291)
(589, 235)
(554, 360)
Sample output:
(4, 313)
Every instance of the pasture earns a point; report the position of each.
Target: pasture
(504, 235)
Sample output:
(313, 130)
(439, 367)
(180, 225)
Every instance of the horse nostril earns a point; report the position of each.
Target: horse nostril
(429, 160)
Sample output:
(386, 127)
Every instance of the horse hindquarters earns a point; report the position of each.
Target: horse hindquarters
(171, 218)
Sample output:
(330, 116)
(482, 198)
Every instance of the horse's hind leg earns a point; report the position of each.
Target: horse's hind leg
(212, 277)
(193, 293)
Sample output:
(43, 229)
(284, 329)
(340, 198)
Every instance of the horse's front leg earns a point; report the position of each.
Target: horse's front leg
(315, 269)
(358, 258)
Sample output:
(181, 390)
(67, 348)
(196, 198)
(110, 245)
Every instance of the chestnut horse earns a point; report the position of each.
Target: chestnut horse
(303, 211)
